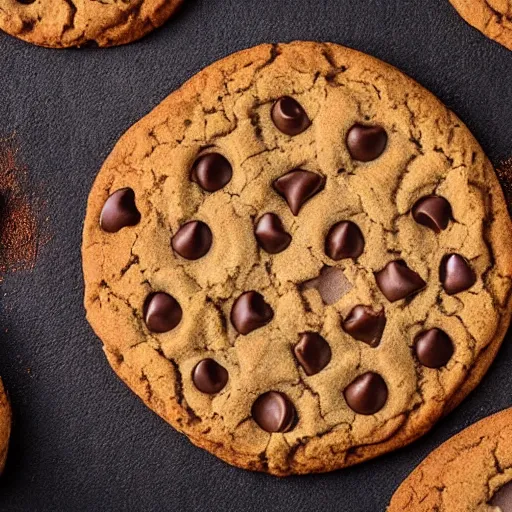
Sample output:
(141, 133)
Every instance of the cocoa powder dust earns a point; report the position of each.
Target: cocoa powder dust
(504, 172)
(21, 231)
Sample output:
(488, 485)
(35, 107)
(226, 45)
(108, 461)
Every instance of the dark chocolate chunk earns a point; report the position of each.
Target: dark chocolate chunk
(193, 240)
(367, 394)
(271, 235)
(298, 186)
(250, 312)
(433, 348)
(162, 313)
(344, 240)
(312, 352)
(119, 211)
(331, 284)
(274, 412)
(211, 172)
(365, 324)
(366, 143)
(209, 376)
(455, 274)
(434, 212)
(503, 498)
(289, 117)
(397, 281)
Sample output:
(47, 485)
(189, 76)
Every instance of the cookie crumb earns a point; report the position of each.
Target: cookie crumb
(504, 172)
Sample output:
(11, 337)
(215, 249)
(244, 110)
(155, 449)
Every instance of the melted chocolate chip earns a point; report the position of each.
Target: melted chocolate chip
(162, 313)
(344, 240)
(434, 212)
(289, 116)
(455, 274)
(503, 498)
(331, 284)
(433, 348)
(397, 281)
(274, 412)
(271, 235)
(119, 211)
(367, 394)
(366, 143)
(299, 186)
(193, 240)
(209, 376)
(312, 352)
(250, 312)
(365, 324)
(211, 172)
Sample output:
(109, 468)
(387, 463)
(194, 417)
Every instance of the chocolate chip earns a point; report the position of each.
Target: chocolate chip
(455, 274)
(271, 235)
(503, 498)
(366, 143)
(365, 324)
(312, 352)
(119, 211)
(433, 348)
(299, 186)
(162, 313)
(331, 284)
(274, 412)
(432, 211)
(344, 240)
(193, 240)
(289, 117)
(250, 312)
(209, 376)
(367, 394)
(397, 281)
(211, 172)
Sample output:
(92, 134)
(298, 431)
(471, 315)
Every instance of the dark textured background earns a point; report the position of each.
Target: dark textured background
(82, 440)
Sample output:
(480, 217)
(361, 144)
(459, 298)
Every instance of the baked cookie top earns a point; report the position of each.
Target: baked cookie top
(5, 425)
(471, 472)
(301, 258)
(492, 17)
(66, 23)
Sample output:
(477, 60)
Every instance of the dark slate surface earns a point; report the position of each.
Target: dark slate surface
(82, 440)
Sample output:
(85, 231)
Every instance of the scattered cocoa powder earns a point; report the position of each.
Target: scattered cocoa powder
(504, 172)
(21, 230)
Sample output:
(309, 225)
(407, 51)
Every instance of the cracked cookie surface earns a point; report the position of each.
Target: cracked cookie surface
(300, 259)
(491, 17)
(5, 426)
(68, 23)
(471, 472)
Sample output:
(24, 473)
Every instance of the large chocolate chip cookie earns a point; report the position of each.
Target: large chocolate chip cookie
(301, 259)
(471, 472)
(5, 425)
(65, 23)
(492, 17)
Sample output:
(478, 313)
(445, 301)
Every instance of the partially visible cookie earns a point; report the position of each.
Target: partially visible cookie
(471, 472)
(5, 425)
(492, 17)
(66, 23)
(301, 259)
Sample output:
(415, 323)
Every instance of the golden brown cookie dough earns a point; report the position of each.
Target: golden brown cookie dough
(5, 426)
(209, 236)
(471, 472)
(492, 17)
(66, 23)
